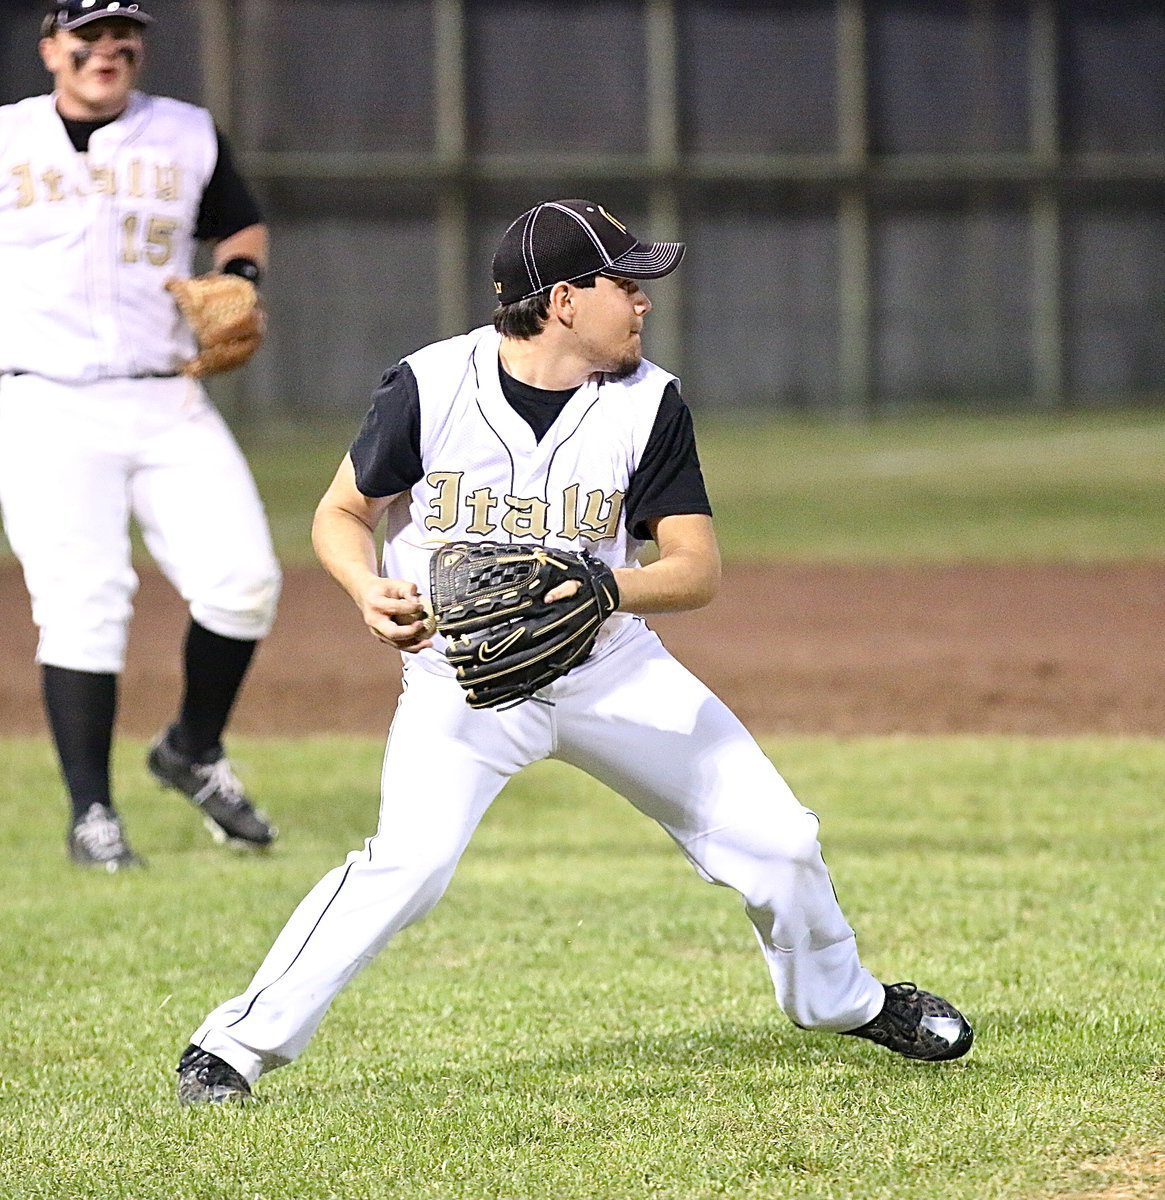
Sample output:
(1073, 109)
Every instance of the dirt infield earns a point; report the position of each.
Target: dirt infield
(838, 649)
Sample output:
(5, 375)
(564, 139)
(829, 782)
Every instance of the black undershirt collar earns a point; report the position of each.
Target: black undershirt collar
(538, 407)
(81, 131)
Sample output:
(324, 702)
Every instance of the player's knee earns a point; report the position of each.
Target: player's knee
(760, 863)
(242, 607)
(418, 878)
(80, 645)
(799, 840)
(789, 843)
(83, 623)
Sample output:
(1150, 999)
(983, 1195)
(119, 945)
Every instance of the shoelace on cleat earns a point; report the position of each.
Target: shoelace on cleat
(100, 835)
(220, 779)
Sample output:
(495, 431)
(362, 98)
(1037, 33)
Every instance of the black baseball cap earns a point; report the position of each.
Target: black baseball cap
(559, 241)
(72, 14)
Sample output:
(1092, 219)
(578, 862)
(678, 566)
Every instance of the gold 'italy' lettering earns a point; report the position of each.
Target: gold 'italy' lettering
(104, 181)
(600, 518)
(52, 180)
(447, 485)
(526, 517)
(27, 193)
(481, 502)
(168, 183)
(570, 525)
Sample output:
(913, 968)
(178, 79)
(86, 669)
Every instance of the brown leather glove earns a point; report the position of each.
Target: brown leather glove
(227, 318)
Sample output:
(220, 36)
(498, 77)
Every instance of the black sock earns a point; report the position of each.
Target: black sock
(215, 667)
(81, 707)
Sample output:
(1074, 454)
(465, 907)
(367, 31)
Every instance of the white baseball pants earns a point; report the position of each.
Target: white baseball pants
(632, 717)
(77, 461)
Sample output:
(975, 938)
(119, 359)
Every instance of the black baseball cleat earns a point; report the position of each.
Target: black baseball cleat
(918, 1024)
(98, 840)
(213, 787)
(204, 1078)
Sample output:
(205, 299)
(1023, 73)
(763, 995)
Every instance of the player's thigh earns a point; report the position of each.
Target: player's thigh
(656, 734)
(444, 764)
(63, 470)
(63, 490)
(198, 506)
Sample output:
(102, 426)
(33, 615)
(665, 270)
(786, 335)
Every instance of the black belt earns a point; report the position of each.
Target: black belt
(147, 375)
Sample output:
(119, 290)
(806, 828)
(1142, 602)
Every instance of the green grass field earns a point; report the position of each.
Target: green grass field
(1067, 488)
(581, 1017)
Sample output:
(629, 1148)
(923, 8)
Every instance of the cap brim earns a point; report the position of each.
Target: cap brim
(651, 261)
(105, 15)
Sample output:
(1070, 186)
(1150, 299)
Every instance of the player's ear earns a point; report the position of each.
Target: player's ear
(50, 53)
(561, 303)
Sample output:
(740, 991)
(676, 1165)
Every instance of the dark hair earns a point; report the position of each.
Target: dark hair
(525, 319)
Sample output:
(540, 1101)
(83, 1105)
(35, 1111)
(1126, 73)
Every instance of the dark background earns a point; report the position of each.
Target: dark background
(886, 202)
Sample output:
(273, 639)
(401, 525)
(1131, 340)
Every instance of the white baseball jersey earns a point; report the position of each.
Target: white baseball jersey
(488, 479)
(87, 241)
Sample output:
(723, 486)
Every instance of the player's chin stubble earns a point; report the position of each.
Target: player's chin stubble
(625, 367)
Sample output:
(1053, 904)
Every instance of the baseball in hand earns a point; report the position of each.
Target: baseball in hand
(428, 617)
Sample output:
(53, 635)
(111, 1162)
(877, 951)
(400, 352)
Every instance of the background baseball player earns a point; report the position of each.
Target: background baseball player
(551, 429)
(103, 194)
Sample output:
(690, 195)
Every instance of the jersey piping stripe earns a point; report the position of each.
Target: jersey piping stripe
(582, 417)
(502, 440)
(302, 948)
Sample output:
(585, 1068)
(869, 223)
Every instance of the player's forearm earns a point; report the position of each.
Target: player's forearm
(250, 242)
(346, 547)
(344, 542)
(685, 576)
(678, 583)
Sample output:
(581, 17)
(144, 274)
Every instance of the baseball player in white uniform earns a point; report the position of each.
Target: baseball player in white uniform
(104, 192)
(550, 428)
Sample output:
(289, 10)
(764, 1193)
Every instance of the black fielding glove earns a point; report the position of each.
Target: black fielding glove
(503, 638)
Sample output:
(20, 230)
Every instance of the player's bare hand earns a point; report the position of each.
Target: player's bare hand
(396, 614)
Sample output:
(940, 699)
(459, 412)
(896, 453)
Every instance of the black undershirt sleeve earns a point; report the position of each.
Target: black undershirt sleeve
(668, 481)
(386, 454)
(227, 203)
